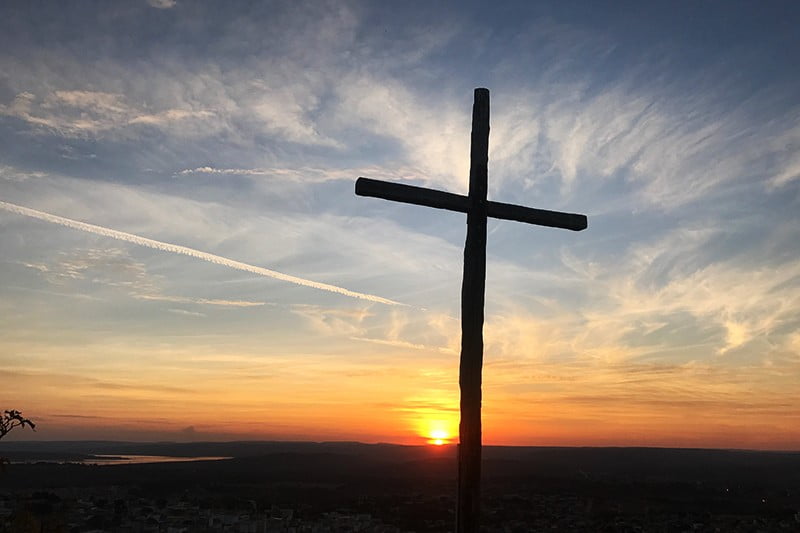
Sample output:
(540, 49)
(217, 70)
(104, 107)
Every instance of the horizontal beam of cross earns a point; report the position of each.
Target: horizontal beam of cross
(455, 202)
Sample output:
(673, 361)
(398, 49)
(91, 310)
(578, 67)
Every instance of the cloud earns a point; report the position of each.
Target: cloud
(405, 345)
(406, 328)
(670, 148)
(427, 406)
(786, 148)
(672, 140)
(81, 113)
(113, 267)
(676, 296)
(228, 171)
(108, 266)
(167, 247)
(162, 4)
(747, 301)
(307, 175)
(123, 384)
(432, 132)
(89, 417)
(280, 96)
(184, 312)
(284, 111)
(327, 320)
(14, 174)
(200, 301)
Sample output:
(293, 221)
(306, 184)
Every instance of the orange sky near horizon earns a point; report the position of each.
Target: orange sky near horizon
(411, 402)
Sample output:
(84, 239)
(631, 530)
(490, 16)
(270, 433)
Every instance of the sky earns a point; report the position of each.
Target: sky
(183, 257)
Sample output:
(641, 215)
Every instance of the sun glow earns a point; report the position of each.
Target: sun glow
(438, 436)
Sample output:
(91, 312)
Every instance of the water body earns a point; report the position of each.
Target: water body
(110, 460)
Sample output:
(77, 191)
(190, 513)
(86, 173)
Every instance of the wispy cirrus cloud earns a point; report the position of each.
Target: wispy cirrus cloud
(113, 267)
(14, 174)
(668, 148)
(200, 301)
(184, 312)
(747, 301)
(162, 4)
(307, 175)
(94, 113)
(405, 345)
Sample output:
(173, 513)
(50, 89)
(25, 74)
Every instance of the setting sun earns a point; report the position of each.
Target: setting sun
(438, 437)
(437, 428)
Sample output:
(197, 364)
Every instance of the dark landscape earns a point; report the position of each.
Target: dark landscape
(343, 486)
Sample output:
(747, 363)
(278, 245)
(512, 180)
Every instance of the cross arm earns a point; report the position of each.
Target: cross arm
(410, 194)
(540, 217)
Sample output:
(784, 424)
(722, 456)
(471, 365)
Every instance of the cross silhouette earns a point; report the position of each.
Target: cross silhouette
(477, 208)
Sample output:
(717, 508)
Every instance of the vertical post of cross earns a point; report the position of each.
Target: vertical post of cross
(472, 300)
(477, 208)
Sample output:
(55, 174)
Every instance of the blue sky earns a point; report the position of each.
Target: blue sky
(238, 129)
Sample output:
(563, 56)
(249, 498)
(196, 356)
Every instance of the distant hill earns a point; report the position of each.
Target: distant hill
(343, 461)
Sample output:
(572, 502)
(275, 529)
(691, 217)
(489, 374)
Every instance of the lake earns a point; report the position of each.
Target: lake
(109, 460)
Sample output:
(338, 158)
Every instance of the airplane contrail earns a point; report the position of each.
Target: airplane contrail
(191, 252)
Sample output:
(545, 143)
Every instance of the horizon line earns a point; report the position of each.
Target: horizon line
(427, 445)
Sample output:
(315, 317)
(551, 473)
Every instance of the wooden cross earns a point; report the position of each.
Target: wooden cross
(477, 208)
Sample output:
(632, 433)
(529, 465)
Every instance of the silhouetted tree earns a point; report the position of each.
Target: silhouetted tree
(12, 419)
